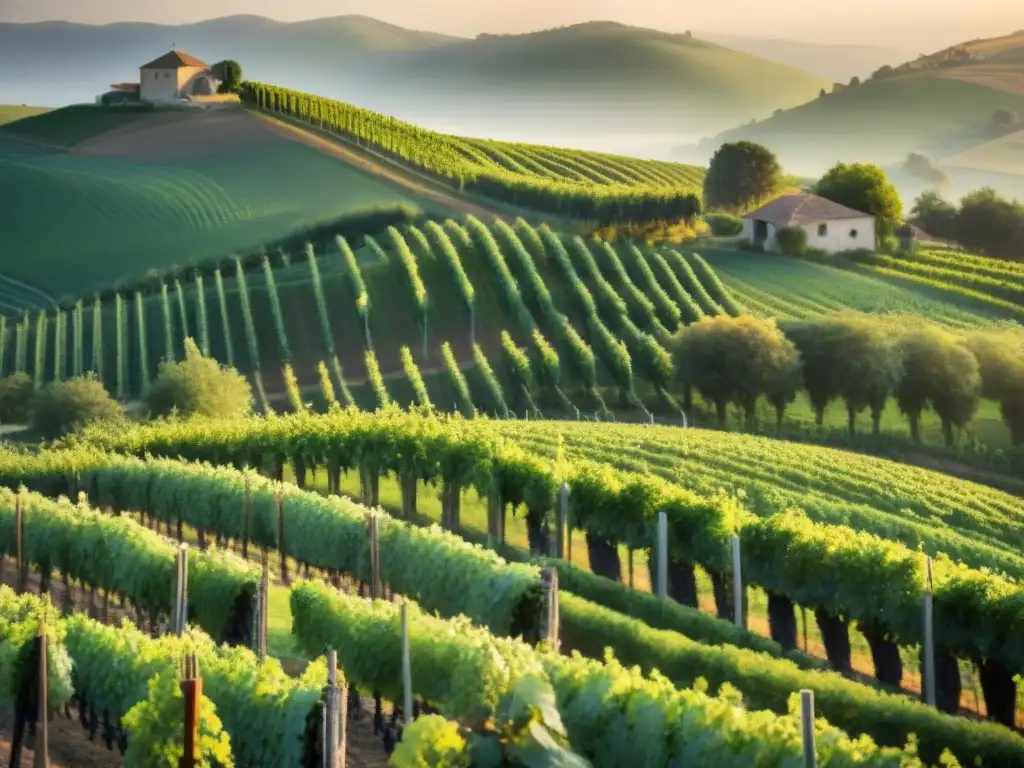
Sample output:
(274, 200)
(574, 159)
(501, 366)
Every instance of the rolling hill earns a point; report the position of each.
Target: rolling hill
(940, 105)
(598, 85)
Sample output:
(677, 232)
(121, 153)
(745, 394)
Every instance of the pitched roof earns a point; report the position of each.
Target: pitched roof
(175, 60)
(802, 208)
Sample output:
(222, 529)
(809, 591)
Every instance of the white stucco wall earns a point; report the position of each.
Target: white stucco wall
(838, 234)
(158, 84)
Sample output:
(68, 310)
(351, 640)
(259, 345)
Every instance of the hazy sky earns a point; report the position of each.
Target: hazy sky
(911, 25)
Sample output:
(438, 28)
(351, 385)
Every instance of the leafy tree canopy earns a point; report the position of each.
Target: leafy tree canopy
(65, 406)
(229, 72)
(199, 386)
(864, 187)
(740, 175)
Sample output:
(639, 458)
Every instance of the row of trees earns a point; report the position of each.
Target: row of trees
(856, 359)
(197, 385)
(983, 221)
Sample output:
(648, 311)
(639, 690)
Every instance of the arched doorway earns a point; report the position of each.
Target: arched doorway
(201, 86)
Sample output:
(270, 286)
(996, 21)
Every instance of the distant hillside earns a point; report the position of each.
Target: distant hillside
(941, 105)
(599, 85)
(834, 61)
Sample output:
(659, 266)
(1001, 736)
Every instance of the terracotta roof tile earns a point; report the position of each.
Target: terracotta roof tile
(803, 208)
(175, 60)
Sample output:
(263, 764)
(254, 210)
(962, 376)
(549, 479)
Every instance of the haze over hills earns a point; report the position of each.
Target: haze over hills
(941, 105)
(598, 85)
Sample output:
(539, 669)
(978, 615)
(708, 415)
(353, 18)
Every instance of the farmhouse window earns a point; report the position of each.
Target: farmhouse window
(853, 234)
(822, 230)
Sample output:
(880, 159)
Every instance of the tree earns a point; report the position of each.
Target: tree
(921, 167)
(229, 72)
(1000, 356)
(15, 397)
(199, 386)
(854, 81)
(740, 174)
(1004, 120)
(735, 360)
(867, 365)
(814, 341)
(940, 373)
(61, 407)
(935, 215)
(991, 224)
(864, 187)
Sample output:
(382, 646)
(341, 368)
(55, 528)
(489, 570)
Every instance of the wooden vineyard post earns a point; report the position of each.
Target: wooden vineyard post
(247, 515)
(807, 728)
(334, 725)
(737, 582)
(662, 555)
(374, 556)
(406, 666)
(42, 748)
(549, 626)
(928, 681)
(563, 518)
(192, 689)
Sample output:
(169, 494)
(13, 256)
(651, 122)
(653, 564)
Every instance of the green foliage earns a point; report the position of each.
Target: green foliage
(225, 323)
(690, 311)
(669, 313)
(21, 346)
(143, 340)
(450, 256)
(291, 388)
(991, 224)
(20, 619)
(740, 175)
(941, 374)
(376, 380)
(121, 342)
(412, 373)
(494, 396)
(355, 278)
(864, 187)
(156, 726)
(461, 164)
(489, 251)
(412, 272)
(464, 402)
(60, 352)
(724, 224)
(692, 285)
(165, 310)
(179, 294)
(39, 369)
(97, 339)
(229, 72)
(934, 215)
(247, 321)
(199, 386)
(62, 407)
(78, 339)
(283, 347)
(328, 399)
(547, 364)
(718, 291)
(118, 555)
(202, 319)
(16, 393)
(792, 241)
(736, 360)
(431, 742)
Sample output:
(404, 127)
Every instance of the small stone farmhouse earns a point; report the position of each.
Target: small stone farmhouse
(830, 227)
(172, 77)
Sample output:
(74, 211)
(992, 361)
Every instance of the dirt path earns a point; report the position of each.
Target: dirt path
(379, 166)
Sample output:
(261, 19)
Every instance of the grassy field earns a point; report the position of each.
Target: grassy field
(772, 285)
(161, 191)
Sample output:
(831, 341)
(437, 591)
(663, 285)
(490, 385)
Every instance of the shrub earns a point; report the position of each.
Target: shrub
(15, 397)
(65, 406)
(199, 386)
(792, 241)
(724, 224)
